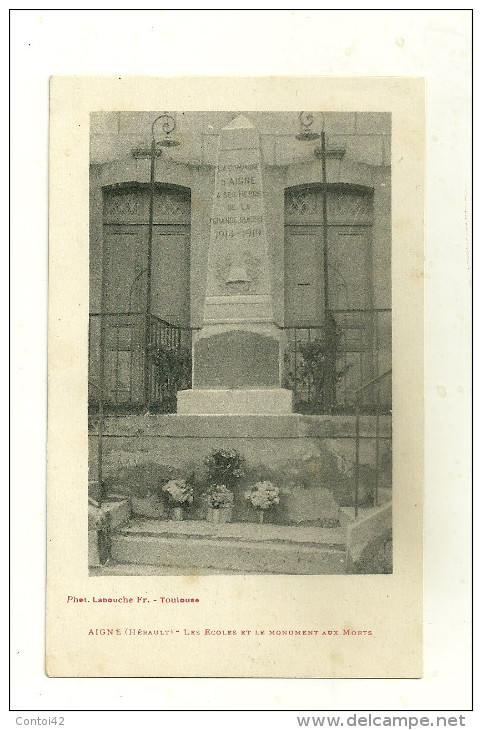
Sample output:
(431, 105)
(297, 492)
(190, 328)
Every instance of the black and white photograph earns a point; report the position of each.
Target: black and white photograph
(239, 369)
(236, 331)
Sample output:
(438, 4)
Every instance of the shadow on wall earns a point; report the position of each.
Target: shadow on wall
(377, 557)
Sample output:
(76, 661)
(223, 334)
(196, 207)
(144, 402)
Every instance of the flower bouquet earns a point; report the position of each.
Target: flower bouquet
(224, 466)
(220, 503)
(262, 496)
(179, 494)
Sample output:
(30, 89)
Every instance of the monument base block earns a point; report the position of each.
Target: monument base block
(262, 401)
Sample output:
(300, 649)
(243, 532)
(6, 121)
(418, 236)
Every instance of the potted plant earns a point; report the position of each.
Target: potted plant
(179, 494)
(262, 496)
(220, 503)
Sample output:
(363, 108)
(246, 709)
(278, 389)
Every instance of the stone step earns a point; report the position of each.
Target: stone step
(234, 548)
(299, 534)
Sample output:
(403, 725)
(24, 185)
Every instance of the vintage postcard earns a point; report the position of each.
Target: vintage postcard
(235, 483)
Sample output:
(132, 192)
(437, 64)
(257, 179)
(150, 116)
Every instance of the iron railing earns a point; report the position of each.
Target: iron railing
(376, 386)
(146, 361)
(327, 366)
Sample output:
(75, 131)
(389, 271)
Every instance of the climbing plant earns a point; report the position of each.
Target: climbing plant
(311, 371)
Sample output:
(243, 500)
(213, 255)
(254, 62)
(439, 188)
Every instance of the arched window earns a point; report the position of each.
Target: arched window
(142, 342)
(126, 231)
(349, 222)
(336, 341)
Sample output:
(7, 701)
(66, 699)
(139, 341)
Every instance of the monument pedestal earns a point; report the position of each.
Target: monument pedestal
(259, 401)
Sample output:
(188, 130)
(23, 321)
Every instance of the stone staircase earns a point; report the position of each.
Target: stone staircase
(192, 547)
(159, 547)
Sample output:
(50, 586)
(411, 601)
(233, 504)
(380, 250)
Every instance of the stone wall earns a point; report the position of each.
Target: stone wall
(310, 458)
(364, 135)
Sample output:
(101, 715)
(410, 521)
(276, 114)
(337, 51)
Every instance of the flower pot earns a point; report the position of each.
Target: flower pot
(221, 514)
(177, 514)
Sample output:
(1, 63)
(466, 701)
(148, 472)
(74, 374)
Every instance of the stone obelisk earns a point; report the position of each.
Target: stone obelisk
(236, 355)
